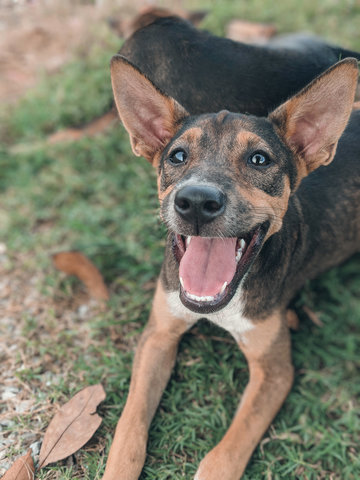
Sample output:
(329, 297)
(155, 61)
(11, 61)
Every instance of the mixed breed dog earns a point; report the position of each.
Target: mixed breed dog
(257, 153)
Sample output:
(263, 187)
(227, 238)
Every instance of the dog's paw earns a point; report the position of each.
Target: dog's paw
(220, 464)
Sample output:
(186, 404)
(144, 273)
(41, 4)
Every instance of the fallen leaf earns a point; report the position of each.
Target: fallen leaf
(313, 316)
(73, 425)
(22, 469)
(99, 125)
(249, 32)
(75, 263)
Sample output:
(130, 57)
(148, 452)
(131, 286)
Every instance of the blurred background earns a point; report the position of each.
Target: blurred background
(70, 182)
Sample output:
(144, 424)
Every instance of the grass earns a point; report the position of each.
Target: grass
(94, 196)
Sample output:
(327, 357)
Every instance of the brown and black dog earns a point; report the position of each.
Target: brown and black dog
(252, 214)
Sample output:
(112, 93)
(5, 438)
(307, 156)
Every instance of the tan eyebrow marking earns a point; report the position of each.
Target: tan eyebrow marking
(246, 137)
(193, 133)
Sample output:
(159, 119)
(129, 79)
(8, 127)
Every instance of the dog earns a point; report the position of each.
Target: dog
(206, 73)
(254, 208)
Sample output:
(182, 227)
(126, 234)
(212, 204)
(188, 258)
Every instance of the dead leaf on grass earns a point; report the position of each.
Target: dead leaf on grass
(75, 263)
(73, 425)
(249, 32)
(22, 469)
(313, 316)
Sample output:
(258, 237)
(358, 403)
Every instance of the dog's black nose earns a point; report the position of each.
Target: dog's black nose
(199, 204)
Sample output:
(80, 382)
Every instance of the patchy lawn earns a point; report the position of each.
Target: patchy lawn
(95, 196)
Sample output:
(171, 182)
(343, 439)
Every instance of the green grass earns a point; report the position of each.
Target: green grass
(95, 196)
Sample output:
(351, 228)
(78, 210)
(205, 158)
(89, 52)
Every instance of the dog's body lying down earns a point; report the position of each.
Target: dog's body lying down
(252, 213)
(206, 73)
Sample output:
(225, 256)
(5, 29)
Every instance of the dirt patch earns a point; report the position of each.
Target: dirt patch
(39, 37)
(33, 317)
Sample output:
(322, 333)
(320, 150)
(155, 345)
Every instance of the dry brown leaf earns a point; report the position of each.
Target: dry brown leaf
(99, 125)
(73, 425)
(75, 263)
(249, 32)
(22, 469)
(148, 14)
(313, 316)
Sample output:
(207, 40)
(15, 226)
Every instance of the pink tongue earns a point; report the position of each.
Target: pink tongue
(207, 264)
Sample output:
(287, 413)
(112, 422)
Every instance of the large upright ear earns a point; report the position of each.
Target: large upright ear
(150, 117)
(312, 121)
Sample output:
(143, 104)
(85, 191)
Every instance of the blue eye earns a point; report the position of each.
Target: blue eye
(178, 157)
(259, 159)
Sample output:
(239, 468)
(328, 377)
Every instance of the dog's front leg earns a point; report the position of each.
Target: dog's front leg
(154, 359)
(267, 350)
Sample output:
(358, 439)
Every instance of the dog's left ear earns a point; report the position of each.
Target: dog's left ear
(150, 117)
(312, 121)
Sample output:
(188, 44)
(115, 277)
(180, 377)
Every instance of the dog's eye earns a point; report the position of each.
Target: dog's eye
(259, 159)
(177, 157)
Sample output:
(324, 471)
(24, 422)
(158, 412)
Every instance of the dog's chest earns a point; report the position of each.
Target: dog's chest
(230, 317)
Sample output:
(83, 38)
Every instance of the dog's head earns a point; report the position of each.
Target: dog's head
(225, 179)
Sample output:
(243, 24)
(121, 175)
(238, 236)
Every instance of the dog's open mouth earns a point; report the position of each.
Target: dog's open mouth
(211, 268)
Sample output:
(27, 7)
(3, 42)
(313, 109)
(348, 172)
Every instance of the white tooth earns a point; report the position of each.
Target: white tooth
(200, 299)
(242, 244)
(182, 283)
(223, 288)
(188, 240)
(238, 255)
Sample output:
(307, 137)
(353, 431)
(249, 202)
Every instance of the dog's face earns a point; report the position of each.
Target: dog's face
(223, 190)
(225, 179)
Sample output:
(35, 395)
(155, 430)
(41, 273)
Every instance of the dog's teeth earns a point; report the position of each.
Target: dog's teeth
(200, 299)
(182, 282)
(188, 240)
(240, 250)
(223, 288)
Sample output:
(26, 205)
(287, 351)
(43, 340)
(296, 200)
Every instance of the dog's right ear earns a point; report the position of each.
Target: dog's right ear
(150, 117)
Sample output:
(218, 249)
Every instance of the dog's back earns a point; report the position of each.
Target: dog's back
(206, 73)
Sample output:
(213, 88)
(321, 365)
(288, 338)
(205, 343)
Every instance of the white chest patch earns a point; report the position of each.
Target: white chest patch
(230, 317)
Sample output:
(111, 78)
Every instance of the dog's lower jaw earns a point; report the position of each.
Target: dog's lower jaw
(230, 318)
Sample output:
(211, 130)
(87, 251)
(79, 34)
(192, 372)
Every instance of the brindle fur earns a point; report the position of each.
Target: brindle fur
(314, 223)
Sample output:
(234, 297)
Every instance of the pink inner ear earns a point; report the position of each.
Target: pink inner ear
(305, 135)
(312, 130)
(151, 126)
(160, 132)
